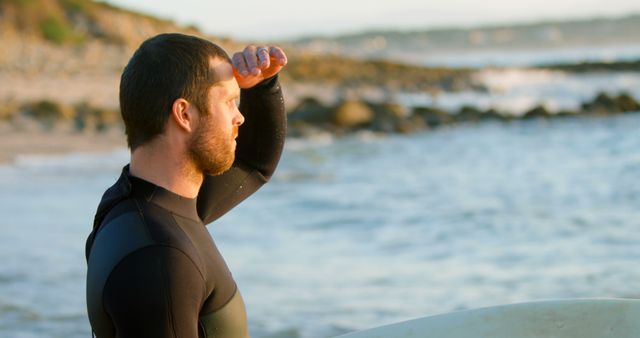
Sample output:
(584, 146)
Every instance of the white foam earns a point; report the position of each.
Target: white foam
(311, 141)
(74, 160)
(516, 91)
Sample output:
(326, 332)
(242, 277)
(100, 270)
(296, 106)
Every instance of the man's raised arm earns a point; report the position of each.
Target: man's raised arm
(261, 137)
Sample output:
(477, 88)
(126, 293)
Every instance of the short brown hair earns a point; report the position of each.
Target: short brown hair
(163, 69)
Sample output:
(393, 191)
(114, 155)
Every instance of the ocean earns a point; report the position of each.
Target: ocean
(367, 230)
(356, 232)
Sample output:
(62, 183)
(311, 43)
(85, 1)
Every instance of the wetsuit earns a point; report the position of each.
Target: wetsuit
(153, 269)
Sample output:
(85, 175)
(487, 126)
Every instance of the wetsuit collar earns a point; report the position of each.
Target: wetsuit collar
(140, 188)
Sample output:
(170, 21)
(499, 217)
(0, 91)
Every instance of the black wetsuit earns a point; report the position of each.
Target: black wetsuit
(153, 269)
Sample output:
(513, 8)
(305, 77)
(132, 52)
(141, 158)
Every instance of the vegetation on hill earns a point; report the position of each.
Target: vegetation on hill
(76, 21)
(73, 36)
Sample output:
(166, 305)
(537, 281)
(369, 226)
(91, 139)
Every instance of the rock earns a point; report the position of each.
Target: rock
(8, 109)
(391, 110)
(566, 113)
(433, 117)
(48, 113)
(310, 110)
(468, 114)
(494, 115)
(626, 103)
(391, 118)
(606, 104)
(601, 104)
(353, 114)
(537, 112)
(90, 118)
(410, 125)
(455, 83)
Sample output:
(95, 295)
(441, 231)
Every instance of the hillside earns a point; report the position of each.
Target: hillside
(68, 22)
(69, 36)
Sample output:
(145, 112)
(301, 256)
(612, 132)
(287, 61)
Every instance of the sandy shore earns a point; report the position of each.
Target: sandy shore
(15, 143)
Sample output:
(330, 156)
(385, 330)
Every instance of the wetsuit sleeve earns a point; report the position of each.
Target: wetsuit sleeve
(155, 292)
(259, 146)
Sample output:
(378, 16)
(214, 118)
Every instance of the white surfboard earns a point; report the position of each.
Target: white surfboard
(582, 318)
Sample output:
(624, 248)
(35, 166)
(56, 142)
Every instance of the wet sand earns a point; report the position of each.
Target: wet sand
(33, 142)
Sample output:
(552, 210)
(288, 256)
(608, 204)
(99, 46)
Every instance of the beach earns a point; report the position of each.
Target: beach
(36, 142)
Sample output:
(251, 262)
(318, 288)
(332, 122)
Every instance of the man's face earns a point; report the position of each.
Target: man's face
(212, 146)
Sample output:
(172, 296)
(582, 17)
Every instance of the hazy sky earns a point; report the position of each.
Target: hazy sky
(268, 19)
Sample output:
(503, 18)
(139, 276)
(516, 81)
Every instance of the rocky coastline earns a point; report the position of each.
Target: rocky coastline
(311, 116)
(46, 127)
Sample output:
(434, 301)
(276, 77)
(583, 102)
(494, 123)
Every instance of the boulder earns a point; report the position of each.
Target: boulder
(601, 104)
(537, 112)
(433, 117)
(8, 109)
(566, 113)
(468, 114)
(410, 124)
(91, 118)
(48, 113)
(389, 110)
(494, 115)
(391, 117)
(626, 103)
(311, 111)
(353, 114)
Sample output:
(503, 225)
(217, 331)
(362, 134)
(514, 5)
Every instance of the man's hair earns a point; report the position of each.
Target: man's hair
(163, 69)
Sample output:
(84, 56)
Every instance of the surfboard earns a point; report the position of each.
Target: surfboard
(574, 318)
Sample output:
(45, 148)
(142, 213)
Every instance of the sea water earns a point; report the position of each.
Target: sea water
(364, 230)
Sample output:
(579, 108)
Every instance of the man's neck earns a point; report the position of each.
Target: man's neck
(170, 170)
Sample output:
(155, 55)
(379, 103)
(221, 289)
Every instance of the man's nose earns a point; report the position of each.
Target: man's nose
(238, 119)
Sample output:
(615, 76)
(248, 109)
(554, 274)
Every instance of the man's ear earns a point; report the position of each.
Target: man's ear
(184, 114)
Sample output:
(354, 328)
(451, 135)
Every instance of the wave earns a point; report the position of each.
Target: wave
(70, 161)
(518, 90)
(309, 142)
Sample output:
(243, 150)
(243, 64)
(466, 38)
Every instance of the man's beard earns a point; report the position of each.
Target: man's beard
(212, 153)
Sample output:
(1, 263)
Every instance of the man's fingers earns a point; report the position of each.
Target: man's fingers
(251, 59)
(256, 63)
(278, 54)
(264, 57)
(239, 64)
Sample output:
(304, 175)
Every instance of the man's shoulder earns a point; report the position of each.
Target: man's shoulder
(123, 230)
(130, 228)
(136, 220)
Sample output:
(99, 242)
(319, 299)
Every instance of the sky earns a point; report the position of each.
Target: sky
(287, 19)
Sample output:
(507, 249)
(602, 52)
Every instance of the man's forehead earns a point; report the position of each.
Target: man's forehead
(221, 70)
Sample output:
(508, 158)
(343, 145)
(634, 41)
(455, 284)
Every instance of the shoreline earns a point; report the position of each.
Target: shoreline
(34, 143)
(49, 130)
(60, 142)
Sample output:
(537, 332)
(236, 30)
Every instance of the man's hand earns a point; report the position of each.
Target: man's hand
(255, 64)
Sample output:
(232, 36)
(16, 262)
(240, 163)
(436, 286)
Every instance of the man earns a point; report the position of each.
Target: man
(153, 269)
